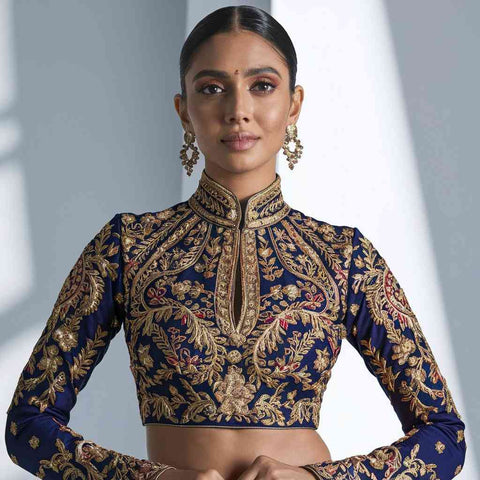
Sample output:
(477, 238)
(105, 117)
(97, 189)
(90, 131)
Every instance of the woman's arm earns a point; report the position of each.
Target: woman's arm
(88, 313)
(383, 329)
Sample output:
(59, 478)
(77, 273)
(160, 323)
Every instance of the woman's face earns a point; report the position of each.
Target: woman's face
(228, 99)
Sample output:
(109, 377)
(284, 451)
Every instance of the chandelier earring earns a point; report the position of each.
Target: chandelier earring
(291, 136)
(188, 163)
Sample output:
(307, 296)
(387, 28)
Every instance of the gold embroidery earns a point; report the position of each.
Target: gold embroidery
(214, 202)
(180, 327)
(34, 441)
(87, 454)
(439, 446)
(81, 295)
(233, 394)
(386, 458)
(388, 307)
(460, 436)
(13, 428)
(234, 356)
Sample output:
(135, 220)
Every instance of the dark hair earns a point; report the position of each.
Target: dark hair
(236, 18)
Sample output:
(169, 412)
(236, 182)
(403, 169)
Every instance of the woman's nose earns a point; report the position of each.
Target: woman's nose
(238, 105)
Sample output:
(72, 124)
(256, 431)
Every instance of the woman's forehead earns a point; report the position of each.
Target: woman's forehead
(242, 47)
(233, 58)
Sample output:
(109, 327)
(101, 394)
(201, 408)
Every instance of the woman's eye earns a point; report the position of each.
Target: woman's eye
(266, 83)
(208, 86)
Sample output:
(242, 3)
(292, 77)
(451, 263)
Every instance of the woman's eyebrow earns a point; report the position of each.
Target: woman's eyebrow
(223, 74)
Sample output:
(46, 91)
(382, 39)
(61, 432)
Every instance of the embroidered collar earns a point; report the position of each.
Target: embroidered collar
(218, 204)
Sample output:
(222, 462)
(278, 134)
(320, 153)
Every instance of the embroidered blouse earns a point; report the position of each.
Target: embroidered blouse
(168, 278)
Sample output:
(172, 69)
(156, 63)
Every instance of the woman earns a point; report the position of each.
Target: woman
(234, 306)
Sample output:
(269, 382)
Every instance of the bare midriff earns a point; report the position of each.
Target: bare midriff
(231, 450)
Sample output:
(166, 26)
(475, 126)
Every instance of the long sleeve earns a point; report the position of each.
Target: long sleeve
(87, 314)
(386, 333)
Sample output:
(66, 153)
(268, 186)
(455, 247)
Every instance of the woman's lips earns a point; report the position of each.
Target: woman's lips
(239, 145)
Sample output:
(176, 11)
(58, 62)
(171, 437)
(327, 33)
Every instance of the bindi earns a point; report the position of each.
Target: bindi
(236, 72)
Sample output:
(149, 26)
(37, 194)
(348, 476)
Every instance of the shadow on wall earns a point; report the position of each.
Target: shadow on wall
(86, 103)
(443, 126)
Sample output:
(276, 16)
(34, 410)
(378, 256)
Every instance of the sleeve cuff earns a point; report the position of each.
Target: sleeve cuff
(312, 470)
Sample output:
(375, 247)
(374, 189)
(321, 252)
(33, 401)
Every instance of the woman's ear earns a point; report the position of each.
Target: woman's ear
(296, 104)
(181, 108)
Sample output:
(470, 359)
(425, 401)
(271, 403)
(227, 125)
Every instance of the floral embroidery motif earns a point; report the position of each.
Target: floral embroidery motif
(13, 427)
(180, 329)
(34, 442)
(385, 331)
(439, 447)
(233, 393)
(59, 366)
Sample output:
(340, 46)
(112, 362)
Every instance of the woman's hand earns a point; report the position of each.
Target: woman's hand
(179, 474)
(267, 468)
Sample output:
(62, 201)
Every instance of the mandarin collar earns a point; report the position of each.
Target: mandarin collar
(218, 204)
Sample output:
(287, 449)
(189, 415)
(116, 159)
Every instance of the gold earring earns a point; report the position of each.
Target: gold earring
(291, 136)
(188, 163)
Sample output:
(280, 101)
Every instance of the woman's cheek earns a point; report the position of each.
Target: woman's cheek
(273, 118)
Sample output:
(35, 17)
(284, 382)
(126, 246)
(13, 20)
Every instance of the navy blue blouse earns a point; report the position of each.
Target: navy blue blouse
(169, 279)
